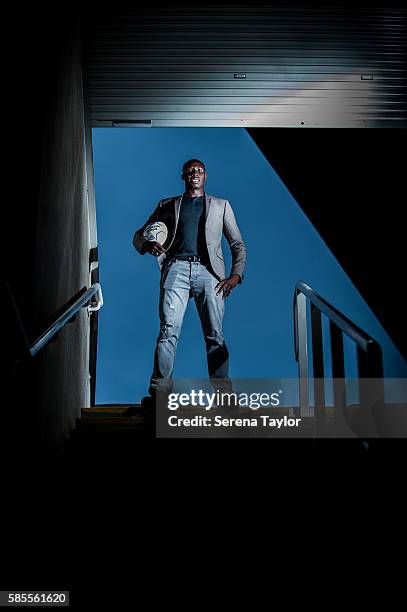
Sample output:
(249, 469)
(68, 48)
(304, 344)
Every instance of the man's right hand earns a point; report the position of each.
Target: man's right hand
(154, 248)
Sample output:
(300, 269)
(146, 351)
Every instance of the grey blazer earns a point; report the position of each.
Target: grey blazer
(220, 219)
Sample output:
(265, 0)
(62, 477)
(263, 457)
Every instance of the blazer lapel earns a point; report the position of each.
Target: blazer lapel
(207, 207)
(177, 206)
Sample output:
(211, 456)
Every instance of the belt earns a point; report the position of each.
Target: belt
(189, 257)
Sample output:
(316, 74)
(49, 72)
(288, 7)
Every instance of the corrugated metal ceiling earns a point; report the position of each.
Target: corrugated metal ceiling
(253, 66)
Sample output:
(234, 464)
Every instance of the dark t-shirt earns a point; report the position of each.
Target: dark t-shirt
(190, 236)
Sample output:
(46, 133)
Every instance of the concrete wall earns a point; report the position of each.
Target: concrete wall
(62, 254)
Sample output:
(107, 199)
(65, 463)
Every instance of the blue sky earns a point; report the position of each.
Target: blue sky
(134, 169)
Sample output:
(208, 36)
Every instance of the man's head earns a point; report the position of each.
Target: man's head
(194, 174)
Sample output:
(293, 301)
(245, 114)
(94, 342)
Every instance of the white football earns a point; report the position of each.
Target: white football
(156, 232)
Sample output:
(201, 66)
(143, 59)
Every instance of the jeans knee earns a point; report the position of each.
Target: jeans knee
(215, 337)
(168, 331)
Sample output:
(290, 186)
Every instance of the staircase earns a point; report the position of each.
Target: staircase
(116, 427)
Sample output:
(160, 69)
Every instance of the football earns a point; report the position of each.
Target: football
(156, 232)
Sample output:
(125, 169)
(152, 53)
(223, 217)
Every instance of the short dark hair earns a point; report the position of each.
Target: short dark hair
(190, 161)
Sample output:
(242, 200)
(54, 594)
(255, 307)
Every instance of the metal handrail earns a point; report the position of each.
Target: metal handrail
(370, 362)
(346, 325)
(69, 313)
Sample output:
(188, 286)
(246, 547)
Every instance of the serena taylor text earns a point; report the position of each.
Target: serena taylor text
(219, 421)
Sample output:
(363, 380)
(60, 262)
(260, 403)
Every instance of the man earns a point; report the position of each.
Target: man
(192, 265)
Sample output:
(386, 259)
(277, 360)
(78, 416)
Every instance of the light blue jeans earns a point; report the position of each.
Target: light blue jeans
(179, 280)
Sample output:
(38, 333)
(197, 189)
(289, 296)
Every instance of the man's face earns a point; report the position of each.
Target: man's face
(194, 176)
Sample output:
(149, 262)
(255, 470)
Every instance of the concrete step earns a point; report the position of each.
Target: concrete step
(110, 410)
(115, 415)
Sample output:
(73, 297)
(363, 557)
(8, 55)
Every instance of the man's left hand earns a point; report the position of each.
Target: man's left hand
(226, 286)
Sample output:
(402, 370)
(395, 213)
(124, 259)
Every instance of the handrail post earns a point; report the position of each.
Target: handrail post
(363, 374)
(318, 361)
(302, 344)
(371, 386)
(338, 366)
(370, 372)
(375, 360)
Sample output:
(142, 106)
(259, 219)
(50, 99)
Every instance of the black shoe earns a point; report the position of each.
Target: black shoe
(234, 409)
(230, 403)
(148, 403)
(147, 408)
